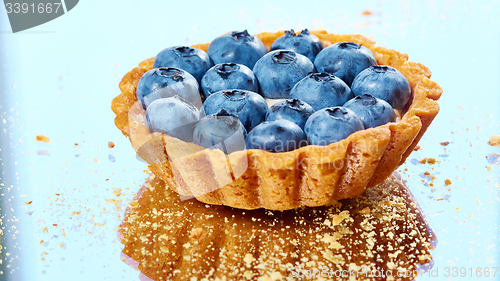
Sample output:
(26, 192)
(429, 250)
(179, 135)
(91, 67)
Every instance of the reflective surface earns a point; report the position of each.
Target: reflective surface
(62, 201)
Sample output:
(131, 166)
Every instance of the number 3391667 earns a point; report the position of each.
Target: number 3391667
(32, 8)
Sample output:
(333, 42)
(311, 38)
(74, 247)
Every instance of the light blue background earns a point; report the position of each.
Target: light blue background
(58, 79)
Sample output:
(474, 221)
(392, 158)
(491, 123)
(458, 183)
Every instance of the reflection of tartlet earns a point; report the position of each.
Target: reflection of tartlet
(382, 230)
(309, 176)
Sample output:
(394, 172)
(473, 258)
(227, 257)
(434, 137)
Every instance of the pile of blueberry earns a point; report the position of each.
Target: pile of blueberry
(217, 98)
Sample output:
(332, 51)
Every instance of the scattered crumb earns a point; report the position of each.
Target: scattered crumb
(365, 211)
(493, 158)
(42, 138)
(148, 231)
(417, 148)
(196, 233)
(366, 13)
(445, 143)
(43, 152)
(134, 204)
(248, 259)
(494, 140)
(29, 202)
(111, 144)
(447, 182)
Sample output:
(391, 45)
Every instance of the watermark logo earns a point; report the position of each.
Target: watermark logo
(25, 14)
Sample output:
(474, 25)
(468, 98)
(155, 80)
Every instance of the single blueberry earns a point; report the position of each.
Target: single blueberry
(237, 47)
(331, 125)
(221, 130)
(383, 82)
(250, 107)
(278, 71)
(372, 111)
(226, 76)
(194, 61)
(344, 60)
(293, 110)
(276, 136)
(174, 116)
(321, 90)
(303, 43)
(166, 82)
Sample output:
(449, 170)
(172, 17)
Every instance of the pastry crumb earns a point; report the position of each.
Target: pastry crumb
(111, 144)
(117, 203)
(259, 244)
(447, 182)
(196, 233)
(43, 152)
(365, 211)
(42, 138)
(430, 161)
(445, 143)
(494, 140)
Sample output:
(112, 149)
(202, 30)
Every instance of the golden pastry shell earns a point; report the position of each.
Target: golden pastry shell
(309, 176)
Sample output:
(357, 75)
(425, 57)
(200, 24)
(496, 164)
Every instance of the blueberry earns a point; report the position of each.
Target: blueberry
(226, 76)
(372, 111)
(321, 90)
(331, 125)
(221, 130)
(174, 116)
(194, 61)
(344, 60)
(304, 43)
(293, 110)
(237, 47)
(250, 107)
(166, 82)
(383, 82)
(278, 71)
(276, 136)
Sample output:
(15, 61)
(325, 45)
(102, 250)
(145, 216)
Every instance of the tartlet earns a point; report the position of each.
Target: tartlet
(308, 176)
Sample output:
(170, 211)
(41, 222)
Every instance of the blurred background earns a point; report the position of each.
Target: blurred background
(62, 201)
